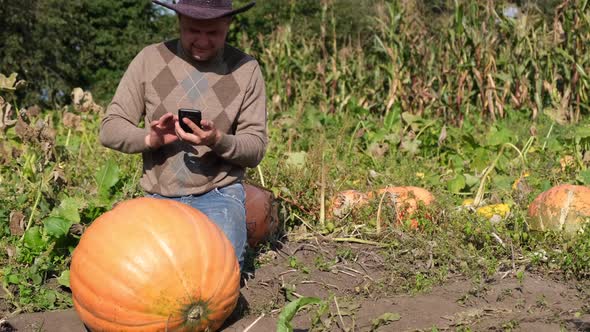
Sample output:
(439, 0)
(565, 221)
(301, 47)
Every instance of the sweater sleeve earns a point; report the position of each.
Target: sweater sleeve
(247, 146)
(119, 128)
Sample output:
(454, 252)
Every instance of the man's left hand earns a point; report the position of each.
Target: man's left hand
(206, 135)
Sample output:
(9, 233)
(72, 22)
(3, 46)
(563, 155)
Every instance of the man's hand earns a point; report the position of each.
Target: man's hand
(161, 132)
(207, 135)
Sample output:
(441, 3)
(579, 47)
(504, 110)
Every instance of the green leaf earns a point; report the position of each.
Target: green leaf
(36, 278)
(64, 278)
(480, 159)
(296, 159)
(390, 120)
(410, 118)
(584, 177)
(13, 279)
(471, 180)
(583, 132)
(57, 227)
(107, 177)
(49, 298)
(69, 209)
(385, 319)
(289, 311)
(581, 70)
(33, 239)
(456, 162)
(456, 184)
(554, 145)
(498, 137)
(411, 146)
(393, 139)
(503, 182)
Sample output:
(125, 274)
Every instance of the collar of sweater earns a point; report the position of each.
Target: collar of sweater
(213, 62)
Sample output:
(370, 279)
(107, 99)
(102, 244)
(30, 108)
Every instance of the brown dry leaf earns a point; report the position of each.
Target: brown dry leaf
(17, 223)
(558, 32)
(23, 130)
(6, 114)
(359, 133)
(48, 134)
(59, 176)
(567, 162)
(533, 130)
(558, 115)
(77, 229)
(34, 110)
(77, 95)
(10, 83)
(443, 135)
(84, 102)
(378, 150)
(466, 317)
(5, 153)
(71, 120)
(10, 250)
(521, 190)
(16, 153)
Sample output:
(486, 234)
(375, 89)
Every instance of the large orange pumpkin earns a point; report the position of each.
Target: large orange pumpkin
(261, 214)
(154, 265)
(562, 208)
(406, 200)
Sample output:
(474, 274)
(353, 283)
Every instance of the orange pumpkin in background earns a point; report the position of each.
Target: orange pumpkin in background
(154, 265)
(562, 208)
(406, 200)
(344, 202)
(262, 218)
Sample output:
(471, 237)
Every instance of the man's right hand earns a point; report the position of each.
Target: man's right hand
(161, 132)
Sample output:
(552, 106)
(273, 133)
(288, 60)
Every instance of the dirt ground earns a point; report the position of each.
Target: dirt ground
(358, 290)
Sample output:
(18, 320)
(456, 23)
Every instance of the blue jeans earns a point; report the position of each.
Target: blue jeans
(226, 207)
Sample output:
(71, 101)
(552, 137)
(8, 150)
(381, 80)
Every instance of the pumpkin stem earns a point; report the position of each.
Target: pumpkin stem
(195, 313)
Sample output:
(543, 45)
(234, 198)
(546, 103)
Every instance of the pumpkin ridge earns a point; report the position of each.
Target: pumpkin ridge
(188, 211)
(227, 248)
(108, 301)
(106, 319)
(216, 238)
(87, 284)
(566, 208)
(168, 255)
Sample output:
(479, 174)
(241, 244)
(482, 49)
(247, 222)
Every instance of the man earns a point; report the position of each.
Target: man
(198, 71)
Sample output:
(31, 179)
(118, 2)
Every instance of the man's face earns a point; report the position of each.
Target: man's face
(203, 38)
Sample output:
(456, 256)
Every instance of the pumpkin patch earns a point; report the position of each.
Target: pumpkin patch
(154, 265)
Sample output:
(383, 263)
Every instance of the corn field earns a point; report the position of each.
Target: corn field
(474, 62)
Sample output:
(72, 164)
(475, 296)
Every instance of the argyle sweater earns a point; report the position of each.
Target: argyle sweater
(228, 89)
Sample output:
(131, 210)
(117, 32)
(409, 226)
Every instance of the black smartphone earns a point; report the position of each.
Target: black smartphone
(191, 114)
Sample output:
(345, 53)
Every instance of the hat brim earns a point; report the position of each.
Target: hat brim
(202, 13)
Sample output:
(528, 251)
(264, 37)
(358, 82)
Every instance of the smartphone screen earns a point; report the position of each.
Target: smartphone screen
(191, 114)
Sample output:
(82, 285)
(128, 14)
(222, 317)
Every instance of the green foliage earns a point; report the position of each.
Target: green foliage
(307, 18)
(57, 45)
(289, 311)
